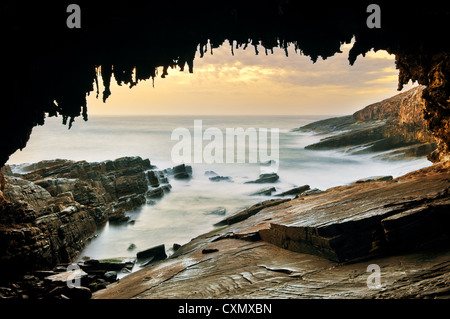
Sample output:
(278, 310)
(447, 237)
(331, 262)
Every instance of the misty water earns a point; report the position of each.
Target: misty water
(185, 212)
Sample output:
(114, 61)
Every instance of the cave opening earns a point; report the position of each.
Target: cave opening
(144, 36)
(227, 89)
(49, 69)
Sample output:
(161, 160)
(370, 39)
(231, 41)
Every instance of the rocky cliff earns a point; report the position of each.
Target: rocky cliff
(51, 209)
(394, 126)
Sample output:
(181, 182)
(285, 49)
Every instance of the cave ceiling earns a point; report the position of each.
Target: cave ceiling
(48, 68)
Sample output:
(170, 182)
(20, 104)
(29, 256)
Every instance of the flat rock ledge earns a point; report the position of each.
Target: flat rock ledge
(317, 246)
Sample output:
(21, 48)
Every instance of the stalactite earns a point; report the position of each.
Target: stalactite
(106, 71)
(96, 82)
(163, 75)
(123, 49)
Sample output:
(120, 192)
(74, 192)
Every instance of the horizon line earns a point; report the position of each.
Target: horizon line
(193, 115)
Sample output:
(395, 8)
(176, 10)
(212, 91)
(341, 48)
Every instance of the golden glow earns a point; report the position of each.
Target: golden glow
(250, 84)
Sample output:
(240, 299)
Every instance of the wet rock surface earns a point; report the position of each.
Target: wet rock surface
(244, 214)
(267, 191)
(67, 281)
(52, 208)
(294, 191)
(181, 172)
(156, 253)
(220, 178)
(265, 178)
(317, 246)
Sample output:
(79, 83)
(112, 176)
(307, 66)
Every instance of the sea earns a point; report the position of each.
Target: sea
(187, 210)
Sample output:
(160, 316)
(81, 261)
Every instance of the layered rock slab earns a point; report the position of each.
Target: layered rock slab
(279, 251)
(243, 269)
(362, 219)
(394, 127)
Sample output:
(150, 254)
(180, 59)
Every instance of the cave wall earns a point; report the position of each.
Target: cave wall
(48, 68)
(432, 70)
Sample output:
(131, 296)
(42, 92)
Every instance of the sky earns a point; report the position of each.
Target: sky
(246, 83)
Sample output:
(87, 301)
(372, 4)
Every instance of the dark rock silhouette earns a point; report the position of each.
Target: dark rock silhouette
(265, 178)
(48, 68)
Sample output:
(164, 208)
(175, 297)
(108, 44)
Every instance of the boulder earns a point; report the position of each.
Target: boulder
(265, 191)
(220, 178)
(265, 178)
(166, 188)
(157, 192)
(118, 216)
(153, 178)
(294, 191)
(110, 276)
(182, 171)
(157, 252)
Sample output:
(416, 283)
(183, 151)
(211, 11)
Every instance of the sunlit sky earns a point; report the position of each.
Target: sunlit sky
(261, 84)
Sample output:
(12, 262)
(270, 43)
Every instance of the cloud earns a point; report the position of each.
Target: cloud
(386, 79)
(380, 54)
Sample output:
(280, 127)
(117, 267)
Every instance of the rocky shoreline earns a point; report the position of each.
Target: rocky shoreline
(52, 209)
(316, 245)
(394, 128)
(301, 243)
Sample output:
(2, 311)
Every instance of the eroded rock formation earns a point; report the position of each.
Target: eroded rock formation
(394, 126)
(52, 208)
